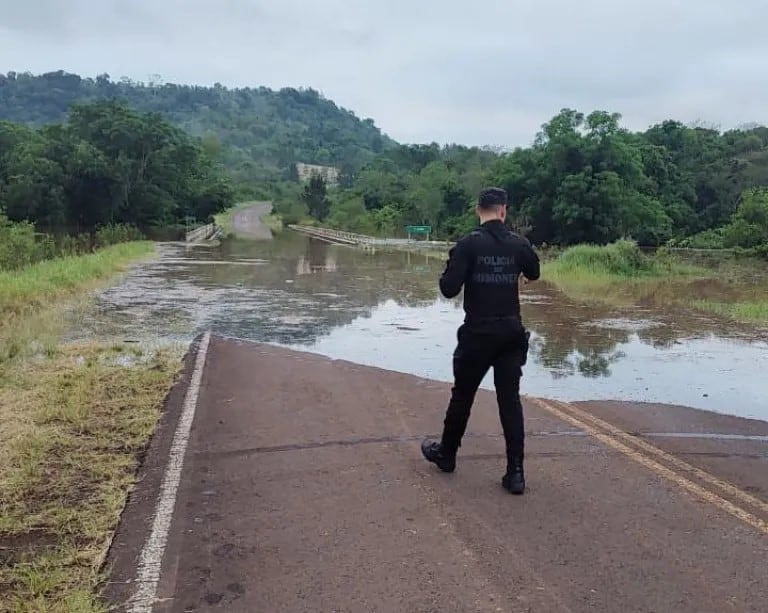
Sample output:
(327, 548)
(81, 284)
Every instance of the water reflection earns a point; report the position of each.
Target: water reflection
(384, 310)
(318, 258)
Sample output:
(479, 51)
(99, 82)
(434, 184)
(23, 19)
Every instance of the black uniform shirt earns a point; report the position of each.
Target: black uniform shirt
(488, 263)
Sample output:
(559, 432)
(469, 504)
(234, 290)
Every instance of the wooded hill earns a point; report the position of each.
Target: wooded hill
(258, 132)
(584, 178)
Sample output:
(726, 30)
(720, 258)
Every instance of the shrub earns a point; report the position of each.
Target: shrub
(622, 258)
(709, 239)
(114, 234)
(21, 246)
(75, 244)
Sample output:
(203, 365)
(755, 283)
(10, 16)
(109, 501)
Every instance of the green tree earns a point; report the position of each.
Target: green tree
(107, 165)
(749, 226)
(348, 212)
(315, 198)
(379, 187)
(425, 193)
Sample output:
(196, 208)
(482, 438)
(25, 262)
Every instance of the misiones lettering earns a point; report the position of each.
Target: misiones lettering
(495, 278)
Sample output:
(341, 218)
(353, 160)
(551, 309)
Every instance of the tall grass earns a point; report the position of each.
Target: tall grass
(274, 222)
(616, 274)
(73, 423)
(27, 294)
(744, 311)
(620, 274)
(47, 280)
(622, 261)
(21, 245)
(72, 428)
(114, 234)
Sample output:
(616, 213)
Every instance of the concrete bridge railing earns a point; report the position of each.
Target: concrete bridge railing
(366, 242)
(202, 233)
(336, 236)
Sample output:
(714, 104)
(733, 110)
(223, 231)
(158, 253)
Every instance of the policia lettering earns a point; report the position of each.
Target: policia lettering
(499, 264)
(487, 264)
(496, 260)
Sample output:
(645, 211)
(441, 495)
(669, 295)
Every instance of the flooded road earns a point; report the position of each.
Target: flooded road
(384, 310)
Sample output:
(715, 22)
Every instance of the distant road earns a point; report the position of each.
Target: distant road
(248, 222)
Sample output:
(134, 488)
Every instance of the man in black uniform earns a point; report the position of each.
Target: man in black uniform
(489, 263)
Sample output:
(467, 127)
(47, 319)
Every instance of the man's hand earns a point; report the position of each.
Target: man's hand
(456, 268)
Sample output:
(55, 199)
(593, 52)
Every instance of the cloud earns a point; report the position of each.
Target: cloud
(445, 71)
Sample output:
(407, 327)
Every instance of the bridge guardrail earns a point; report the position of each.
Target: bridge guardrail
(338, 235)
(201, 233)
(363, 240)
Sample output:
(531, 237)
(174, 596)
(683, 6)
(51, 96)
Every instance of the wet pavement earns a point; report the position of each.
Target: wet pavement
(384, 310)
(247, 220)
(296, 484)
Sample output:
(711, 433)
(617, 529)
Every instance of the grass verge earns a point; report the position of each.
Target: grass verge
(274, 222)
(30, 297)
(224, 219)
(73, 426)
(74, 421)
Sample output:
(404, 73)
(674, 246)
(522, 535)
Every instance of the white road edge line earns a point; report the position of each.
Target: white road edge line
(151, 559)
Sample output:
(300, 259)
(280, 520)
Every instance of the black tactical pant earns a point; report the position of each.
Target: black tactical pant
(503, 345)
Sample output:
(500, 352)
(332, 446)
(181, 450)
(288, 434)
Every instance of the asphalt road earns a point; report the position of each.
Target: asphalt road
(303, 489)
(247, 221)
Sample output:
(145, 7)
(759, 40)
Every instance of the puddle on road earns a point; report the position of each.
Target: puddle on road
(384, 310)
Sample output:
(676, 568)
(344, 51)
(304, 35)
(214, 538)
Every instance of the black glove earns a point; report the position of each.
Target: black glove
(524, 348)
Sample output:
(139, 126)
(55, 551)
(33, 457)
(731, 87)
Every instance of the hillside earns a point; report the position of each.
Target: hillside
(263, 131)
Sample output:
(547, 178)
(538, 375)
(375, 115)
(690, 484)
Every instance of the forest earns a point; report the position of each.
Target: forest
(584, 179)
(107, 164)
(83, 152)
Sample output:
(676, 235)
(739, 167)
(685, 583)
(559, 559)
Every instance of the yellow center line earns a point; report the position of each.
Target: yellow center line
(667, 457)
(611, 441)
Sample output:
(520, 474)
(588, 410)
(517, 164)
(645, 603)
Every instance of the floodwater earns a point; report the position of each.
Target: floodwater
(384, 310)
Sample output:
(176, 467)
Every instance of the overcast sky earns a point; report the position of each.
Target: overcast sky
(474, 72)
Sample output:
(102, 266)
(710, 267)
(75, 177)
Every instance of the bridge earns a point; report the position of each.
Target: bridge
(202, 233)
(341, 237)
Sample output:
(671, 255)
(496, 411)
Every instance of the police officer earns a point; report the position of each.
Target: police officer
(489, 263)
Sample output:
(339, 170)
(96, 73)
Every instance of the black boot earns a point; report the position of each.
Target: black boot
(433, 451)
(514, 480)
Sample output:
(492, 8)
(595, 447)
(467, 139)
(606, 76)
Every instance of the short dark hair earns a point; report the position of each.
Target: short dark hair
(491, 197)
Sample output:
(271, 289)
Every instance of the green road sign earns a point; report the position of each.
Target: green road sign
(418, 229)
